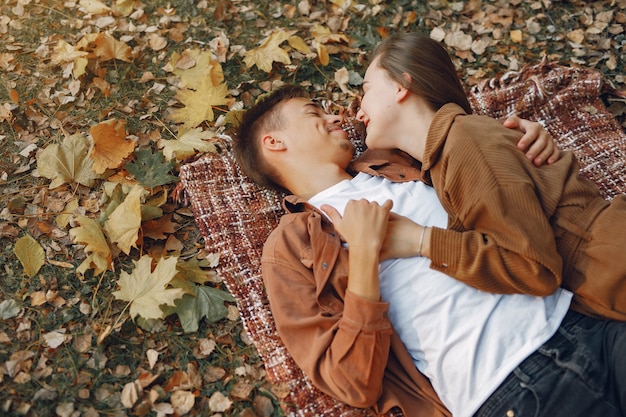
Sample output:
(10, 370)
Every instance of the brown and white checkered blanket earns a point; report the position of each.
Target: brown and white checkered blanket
(235, 216)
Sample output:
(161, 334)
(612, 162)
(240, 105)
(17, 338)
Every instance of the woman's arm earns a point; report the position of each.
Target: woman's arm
(499, 237)
(537, 143)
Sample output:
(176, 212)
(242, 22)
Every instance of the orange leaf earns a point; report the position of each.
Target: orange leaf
(110, 145)
(107, 48)
(15, 96)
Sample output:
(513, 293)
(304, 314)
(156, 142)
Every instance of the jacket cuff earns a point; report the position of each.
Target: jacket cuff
(366, 314)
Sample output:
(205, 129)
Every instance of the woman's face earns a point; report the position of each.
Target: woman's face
(378, 107)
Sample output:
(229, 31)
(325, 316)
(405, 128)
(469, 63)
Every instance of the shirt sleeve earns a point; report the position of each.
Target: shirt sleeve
(343, 346)
(500, 239)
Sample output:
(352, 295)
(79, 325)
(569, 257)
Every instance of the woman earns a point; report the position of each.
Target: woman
(513, 227)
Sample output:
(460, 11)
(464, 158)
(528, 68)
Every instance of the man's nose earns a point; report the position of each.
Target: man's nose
(335, 118)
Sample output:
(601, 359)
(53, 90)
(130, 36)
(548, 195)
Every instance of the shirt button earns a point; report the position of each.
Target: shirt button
(324, 265)
(510, 413)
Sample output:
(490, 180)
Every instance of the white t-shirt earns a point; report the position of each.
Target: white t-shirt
(464, 340)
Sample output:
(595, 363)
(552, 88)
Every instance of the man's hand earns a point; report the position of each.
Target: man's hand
(364, 227)
(536, 142)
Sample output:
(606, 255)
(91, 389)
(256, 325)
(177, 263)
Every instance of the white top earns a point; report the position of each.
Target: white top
(464, 340)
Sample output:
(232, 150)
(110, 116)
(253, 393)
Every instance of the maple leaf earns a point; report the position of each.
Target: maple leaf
(67, 163)
(110, 145)
(145, 289)
(323, 35)
(30, 254)
(90, 234)
(187, 144)
(208, 302)
(105, 47)
(150, 169)
(156, 229)
(193, 65)
(269, 51)
(199, 103)
(122, 226)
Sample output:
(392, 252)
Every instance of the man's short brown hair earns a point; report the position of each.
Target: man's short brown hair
(263, 117)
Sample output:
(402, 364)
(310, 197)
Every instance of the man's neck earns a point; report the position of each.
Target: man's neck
(310, 185)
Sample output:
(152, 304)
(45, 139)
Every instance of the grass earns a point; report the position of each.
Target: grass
(87, 376)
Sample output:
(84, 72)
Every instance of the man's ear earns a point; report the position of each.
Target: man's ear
(273, 142)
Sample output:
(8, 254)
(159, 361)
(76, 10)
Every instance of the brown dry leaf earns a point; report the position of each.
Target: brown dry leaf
(38, 298)
(269, 51)
(122, 226)
(194, 64)
(182, 402)
(130, 394)
(157, 229)
(145, 289)
(90, 234)
(105, 47)
(30, 254)
(110, 145)
(94, 6)
(67, 163)
(218, 403)
(322, 36)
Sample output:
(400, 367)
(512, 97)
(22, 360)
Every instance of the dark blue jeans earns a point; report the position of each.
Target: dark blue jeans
(579, 372)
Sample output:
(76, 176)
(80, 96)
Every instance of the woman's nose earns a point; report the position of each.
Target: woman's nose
(360, 115)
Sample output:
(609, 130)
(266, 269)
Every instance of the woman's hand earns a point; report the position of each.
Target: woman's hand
(536, 141)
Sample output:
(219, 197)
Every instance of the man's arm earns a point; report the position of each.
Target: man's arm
(341, 343)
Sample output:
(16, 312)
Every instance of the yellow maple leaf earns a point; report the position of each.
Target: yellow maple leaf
(90, 234)
(67, 162)
(110, 145)
(122, 226)
(269, 51)
(198, 103)
(30, 254)
(145, 289)
(187, 144)
(193, 65)
(322, 35)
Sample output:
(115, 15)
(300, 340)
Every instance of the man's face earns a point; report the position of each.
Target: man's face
(308, 132)
(377, 106)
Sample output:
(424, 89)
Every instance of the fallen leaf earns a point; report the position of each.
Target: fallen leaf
(182, 401)
(150, 169)
(145, 289)
(30, 254)
(90, 234)
(187, 144)
(110, 145)
(198, 103)
(9, 309)
(269, 51)
(67, 162)
(218, 403)
(122, 226)
(208, 302)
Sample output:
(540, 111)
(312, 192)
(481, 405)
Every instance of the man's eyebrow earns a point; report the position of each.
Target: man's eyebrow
(310, 105)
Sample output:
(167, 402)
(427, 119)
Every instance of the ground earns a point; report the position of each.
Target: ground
(83, 225)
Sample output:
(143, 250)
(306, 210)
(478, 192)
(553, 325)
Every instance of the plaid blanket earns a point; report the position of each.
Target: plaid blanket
(235, 216)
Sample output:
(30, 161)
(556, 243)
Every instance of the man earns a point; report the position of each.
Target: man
(451, 348)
